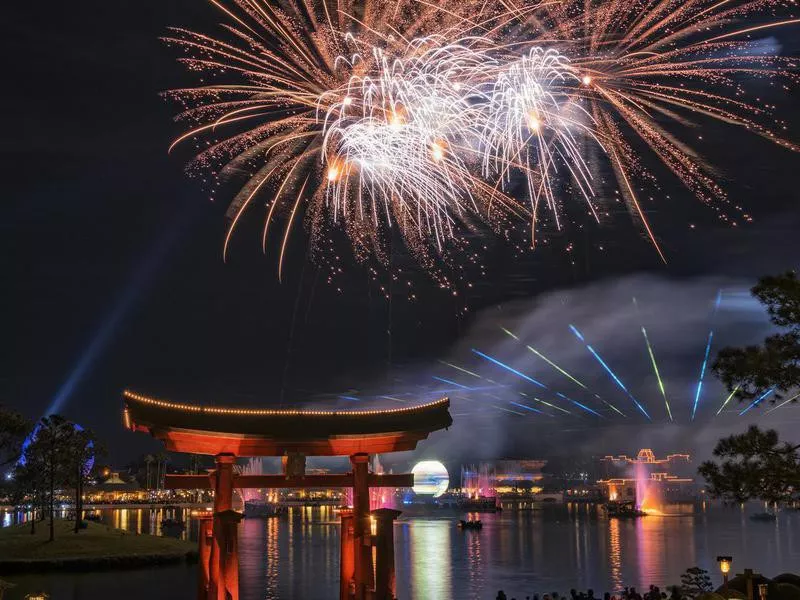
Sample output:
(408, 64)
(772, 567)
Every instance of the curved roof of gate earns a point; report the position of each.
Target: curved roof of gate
(264, 432)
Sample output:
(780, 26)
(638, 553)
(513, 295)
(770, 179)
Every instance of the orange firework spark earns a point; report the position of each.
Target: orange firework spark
(626, 74)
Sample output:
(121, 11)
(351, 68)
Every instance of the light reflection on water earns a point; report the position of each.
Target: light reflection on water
(525, 552)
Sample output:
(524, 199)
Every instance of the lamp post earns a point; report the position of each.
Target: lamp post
(725, 567)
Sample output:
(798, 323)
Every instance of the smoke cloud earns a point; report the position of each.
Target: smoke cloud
(677, 315)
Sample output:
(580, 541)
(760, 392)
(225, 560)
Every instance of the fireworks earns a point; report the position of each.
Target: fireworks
(375, 118)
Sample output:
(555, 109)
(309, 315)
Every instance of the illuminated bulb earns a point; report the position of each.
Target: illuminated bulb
(587, 80)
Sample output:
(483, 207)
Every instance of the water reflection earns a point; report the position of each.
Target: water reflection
(525, 552)
(431, 566)
(615, 554)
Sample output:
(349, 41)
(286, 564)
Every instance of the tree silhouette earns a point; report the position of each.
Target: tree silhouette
(753, 370)
(754, 465)
(13, 429)
(695, 581)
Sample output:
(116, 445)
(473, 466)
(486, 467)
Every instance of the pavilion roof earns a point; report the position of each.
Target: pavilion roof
(276, 431)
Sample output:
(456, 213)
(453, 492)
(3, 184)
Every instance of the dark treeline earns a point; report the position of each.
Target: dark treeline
(45, 457)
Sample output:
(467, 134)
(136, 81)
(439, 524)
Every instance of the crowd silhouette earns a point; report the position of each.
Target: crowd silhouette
(629, 593)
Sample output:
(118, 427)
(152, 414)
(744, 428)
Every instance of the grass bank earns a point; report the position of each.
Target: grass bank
(97, 547)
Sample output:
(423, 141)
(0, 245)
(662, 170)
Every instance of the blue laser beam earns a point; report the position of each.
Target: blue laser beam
(702, 373)
(526, 407)
(757, 401)
(609, 371)
(717, 303)
(458, 385)
(579, 405)
(509, 369)
(577, 333)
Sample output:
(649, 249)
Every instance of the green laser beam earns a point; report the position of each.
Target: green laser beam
(658, 375)
(457, 368)
(728, 399)
(785, 402)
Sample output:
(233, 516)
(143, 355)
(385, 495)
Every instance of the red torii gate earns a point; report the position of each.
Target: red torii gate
(228, 433)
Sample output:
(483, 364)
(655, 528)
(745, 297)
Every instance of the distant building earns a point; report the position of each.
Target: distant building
(674, 464)
(504, 477)
(115, 490)
(647, 479)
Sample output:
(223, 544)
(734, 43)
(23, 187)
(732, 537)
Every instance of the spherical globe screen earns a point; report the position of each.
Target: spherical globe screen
(430, 478)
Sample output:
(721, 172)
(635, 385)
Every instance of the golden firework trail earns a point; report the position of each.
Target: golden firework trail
(415, 119)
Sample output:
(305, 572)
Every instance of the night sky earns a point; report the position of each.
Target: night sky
(112, 256)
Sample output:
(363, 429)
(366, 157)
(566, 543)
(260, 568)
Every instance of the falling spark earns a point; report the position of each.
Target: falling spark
(757, 401)
(613, 375)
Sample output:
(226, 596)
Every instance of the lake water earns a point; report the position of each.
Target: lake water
(523, 552)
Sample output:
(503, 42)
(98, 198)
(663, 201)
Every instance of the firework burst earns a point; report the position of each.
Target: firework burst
(414, 118)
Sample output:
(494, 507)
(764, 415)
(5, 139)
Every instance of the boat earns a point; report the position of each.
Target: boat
(476, 524)
(259, 509)
(763, 516)
(481, 504)
(172, 525)
(623, 510)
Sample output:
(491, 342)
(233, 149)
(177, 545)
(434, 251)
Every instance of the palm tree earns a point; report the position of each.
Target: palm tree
(148, 460)
(161, 458)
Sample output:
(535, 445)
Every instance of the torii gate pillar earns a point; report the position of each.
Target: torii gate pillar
(224, 559)
(362, 532)
(383, 540)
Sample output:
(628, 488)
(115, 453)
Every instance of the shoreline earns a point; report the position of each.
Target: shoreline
(97, 547)
(95, 563)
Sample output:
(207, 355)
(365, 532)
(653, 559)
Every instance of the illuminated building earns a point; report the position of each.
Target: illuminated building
(674, 464)
(115, 491)
(647, 480)
(504, 478)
